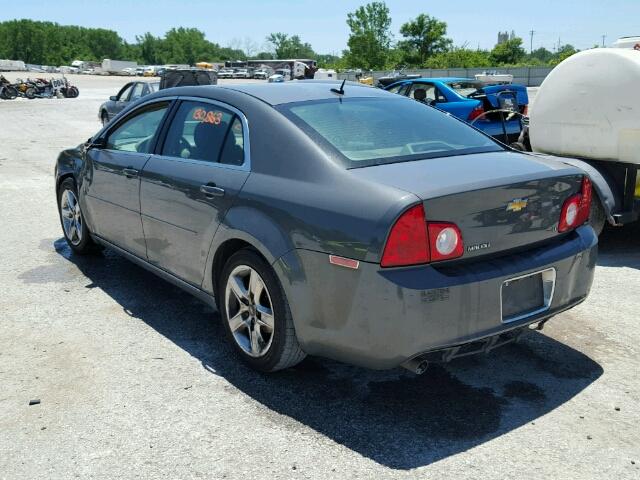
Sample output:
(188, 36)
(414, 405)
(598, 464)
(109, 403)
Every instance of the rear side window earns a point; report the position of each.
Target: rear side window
(374, 131)
(207, 132)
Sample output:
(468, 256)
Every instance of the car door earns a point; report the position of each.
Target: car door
(190, 183)
(113, 182)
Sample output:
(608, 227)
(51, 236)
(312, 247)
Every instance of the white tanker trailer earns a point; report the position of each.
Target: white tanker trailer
(588, 112)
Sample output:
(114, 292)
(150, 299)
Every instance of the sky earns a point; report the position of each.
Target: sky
(322, 23)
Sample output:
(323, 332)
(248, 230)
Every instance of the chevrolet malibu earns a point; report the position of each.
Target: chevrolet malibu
(339, 221)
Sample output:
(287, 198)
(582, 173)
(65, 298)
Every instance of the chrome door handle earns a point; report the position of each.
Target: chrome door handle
(130, 172)
(210, 190)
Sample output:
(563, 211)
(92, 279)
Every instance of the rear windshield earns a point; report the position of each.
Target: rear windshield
(376, 131)
(466, 89)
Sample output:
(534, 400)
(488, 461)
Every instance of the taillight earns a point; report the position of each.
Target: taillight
(576, 209)
(407, 243)
(414, 241)
(476, 112)
(445, 241)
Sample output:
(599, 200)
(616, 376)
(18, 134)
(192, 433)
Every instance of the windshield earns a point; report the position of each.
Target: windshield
(466, 89)
(376, 131)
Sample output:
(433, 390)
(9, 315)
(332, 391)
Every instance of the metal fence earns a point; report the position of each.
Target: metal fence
(529, 76)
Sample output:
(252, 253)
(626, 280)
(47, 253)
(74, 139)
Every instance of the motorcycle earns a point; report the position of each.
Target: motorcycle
(25, 89)
(7, 91)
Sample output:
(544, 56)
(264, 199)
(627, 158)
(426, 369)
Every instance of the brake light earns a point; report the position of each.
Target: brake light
(576, 209)
(414, 241)
(476, 112)
(407, 243)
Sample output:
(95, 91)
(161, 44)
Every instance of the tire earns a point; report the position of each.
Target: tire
(10, 92)
(597, 217)
(71, 92)
(104, 116)
(30, 93)
(72, 221)
(276, 345)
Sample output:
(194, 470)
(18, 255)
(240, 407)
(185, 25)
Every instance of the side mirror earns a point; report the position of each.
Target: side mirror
(113, 98)
(97, 143)
(431, 103)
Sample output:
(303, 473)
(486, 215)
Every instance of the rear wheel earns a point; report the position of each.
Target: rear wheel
(30, 93)
(255, 314)
(74, 227)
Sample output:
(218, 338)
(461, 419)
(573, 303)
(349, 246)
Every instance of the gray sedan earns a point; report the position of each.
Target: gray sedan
(340, 221)
(128, 94)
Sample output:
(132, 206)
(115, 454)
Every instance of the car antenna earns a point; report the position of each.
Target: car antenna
(339, 91)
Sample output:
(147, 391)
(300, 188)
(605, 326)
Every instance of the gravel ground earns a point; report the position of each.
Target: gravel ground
(135, 380)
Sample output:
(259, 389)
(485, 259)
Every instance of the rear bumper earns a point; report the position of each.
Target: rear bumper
(379, 318)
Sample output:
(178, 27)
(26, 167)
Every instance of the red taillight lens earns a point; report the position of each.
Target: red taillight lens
(445, 241)
(576, 209)
(414, 241)
(407, 243)
(475, 113)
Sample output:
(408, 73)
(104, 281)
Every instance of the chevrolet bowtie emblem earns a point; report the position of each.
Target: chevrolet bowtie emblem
(517, 204)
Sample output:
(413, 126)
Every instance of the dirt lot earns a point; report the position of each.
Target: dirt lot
(135, 380)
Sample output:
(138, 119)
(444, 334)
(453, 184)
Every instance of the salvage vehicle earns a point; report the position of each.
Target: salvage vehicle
(390, 244)
(243, 73)
(131, 92)
(497, 110)
(591, 117)
(7, 90)
(226, 73)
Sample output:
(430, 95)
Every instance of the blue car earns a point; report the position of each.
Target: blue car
(472, 101)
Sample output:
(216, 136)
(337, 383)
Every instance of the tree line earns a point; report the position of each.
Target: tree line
(371, 45)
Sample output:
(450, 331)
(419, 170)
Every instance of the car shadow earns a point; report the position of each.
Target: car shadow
(394, 418)
(620, 246)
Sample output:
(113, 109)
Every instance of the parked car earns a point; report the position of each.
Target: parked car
(243, 73)
(276, 78)
(226, 72)
(395, 242)
(131, 92)
(128, 71)
(472, 101)
(262, 73)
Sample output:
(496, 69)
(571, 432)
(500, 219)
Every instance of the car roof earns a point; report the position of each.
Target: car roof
(443, 79)
(300, 91)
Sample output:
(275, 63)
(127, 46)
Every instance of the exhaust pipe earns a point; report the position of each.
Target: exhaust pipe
(416, 365)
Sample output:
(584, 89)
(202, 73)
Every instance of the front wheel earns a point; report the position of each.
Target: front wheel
(74, 227)
(255, 314)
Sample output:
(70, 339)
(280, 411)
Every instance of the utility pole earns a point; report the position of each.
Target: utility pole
(603, 37)
(531, 32)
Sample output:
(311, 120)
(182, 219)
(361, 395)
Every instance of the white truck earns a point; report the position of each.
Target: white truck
(12, 66)
(117, 67)
(588, 112)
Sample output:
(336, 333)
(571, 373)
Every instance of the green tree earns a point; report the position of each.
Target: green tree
(459, 58)
(286, 46)
(508, 53)
(370, 39)
(423, 37)
(564, 52)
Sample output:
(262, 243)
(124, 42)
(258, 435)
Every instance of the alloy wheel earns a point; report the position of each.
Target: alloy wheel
(249, 311)
(71, 216)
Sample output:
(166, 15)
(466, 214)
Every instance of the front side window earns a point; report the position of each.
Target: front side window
(124, 93)
(136, 133)
(396, 89)
(204, 131)
(375, 131)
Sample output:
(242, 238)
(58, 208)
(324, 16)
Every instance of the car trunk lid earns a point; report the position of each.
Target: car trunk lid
(500, 201)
